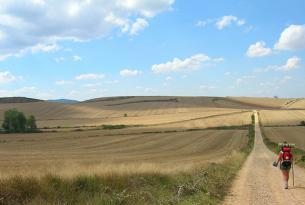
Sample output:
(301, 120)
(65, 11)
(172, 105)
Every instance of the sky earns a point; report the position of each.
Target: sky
(83, 49)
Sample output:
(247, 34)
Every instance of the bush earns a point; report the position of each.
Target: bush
(16, 122)
(125, 115)
(302, 123)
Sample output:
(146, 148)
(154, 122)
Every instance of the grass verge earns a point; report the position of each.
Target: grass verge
(207, 185)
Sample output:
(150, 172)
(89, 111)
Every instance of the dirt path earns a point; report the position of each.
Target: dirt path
(260, 183)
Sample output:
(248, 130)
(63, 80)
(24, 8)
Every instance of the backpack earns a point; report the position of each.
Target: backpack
(286, 156)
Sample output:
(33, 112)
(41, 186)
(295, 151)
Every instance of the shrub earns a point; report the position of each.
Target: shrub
(125, 115)
(302, 123)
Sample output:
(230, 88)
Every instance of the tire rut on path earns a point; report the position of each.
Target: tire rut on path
(259, 183)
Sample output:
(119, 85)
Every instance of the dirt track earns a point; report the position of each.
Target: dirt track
(259, 183)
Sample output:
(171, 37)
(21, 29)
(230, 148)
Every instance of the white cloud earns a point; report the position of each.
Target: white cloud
(77, 58)
(201, 23)
(43, 48)
(90, 76)
(292, 38)
(26, 90)
(59, 59)
(8, 77)
(191, 63)
(258, 50)
(226, 21)
(291, 64)
(138, 25)
(129, 73)
(63, 82)
(39, 25)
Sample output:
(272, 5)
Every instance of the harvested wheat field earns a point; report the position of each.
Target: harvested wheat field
(274, 103)
(126, 110)
(281, 117)
(294, 135)
(102, 152)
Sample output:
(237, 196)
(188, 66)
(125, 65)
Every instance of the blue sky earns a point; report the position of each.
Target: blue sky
(87, 48)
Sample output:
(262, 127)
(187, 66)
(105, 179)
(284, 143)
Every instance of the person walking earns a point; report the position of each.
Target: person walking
(285, 158)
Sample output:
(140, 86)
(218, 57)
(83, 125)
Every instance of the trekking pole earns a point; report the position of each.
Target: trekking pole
(292, 174)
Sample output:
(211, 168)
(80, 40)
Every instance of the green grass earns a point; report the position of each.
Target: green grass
(207, 185)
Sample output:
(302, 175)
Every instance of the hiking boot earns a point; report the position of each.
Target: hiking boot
(286, 185)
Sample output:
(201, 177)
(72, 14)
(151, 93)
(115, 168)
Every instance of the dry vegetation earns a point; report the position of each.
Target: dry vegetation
(140, 110)
(261, 102)
(96, 152)
(281, 117)
(171, 150)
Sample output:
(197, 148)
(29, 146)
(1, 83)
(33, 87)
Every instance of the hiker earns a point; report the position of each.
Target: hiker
(285, 158)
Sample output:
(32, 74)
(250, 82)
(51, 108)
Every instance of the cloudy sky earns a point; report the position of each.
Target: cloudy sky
(82, 49)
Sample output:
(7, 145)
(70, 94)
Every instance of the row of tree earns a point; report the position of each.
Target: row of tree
(15, 121)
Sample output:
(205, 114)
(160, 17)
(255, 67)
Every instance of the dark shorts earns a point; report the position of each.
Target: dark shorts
(285, 165)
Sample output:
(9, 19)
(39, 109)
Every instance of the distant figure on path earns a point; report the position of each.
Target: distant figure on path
(285, 158)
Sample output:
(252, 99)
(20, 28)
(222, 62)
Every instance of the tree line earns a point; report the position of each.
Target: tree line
(17, 122)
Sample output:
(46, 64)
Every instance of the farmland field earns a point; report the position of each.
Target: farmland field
(282, 117)
(294, 135)
(92, 152)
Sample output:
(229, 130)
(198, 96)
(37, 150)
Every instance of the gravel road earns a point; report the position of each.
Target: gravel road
(259, 183)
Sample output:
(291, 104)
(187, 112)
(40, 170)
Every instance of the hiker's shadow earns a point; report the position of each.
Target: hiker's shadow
(298, 187)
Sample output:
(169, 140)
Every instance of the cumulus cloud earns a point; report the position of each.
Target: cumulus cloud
(129, 73)
(258, 49)
(191, 63)
(291, 64)
(8, 77)
(39, 25)
(90, 76)
(292, 38)
(138, 25)
(226, 21)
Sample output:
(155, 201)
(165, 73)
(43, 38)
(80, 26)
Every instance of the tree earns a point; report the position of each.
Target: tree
(14, 121)
(31, 124)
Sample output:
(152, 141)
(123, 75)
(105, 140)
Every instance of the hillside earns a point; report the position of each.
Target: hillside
(18, 100)
(137, 110)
